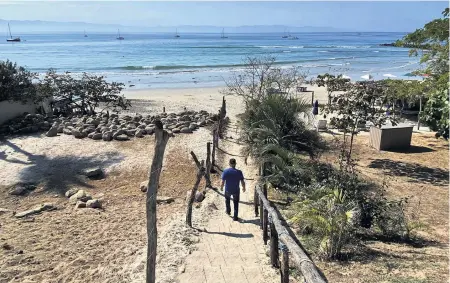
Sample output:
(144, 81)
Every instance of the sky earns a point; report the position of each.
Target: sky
(350, 16)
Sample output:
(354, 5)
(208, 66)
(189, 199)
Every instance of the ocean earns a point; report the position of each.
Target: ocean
(146, 61)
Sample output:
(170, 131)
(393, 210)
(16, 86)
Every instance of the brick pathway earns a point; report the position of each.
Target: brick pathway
(230, 251)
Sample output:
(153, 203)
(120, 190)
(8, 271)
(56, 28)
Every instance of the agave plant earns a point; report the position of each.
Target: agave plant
(330, 216)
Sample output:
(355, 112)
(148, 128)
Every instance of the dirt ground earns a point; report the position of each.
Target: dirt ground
(420, 173)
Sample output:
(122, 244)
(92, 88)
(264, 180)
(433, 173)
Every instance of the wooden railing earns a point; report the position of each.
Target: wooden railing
(279, 233)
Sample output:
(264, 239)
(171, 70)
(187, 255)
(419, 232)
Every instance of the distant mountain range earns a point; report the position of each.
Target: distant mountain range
(24, 27)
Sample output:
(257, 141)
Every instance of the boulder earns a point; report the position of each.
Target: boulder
(71, 192)
(18, 191)
(67, 131)
(79, 196)
(118, 133)
(60, 129)
(131, 132)
(122, 138)
(93, 172)
(192, 126)
(78, 134)
(80, 204)
(149, 130)
(139, 133)
(22, 189)
(185, 130)
(97, 136)
(91, 135)
(93, 203)
(107, 136)
(53, 132)
(199, 196)
(176, 130)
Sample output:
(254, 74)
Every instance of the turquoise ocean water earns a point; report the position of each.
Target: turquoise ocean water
(202, 60)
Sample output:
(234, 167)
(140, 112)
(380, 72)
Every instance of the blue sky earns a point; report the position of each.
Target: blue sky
(352, 16)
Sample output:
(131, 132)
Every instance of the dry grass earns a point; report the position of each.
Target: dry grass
(420, 173)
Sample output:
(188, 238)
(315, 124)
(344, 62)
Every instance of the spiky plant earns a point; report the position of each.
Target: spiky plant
(329, 214)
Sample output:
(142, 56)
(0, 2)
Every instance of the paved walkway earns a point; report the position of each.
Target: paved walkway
(230, 251)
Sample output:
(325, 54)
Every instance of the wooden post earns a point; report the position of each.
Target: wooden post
(420, 112)
(164, 109)
(312, 97)
(213, 157)
(274, 255)
(261, 213)
(255, 202)
(265, 226)
(162, 138)
(284, 269)
(208, 165)
(200, 173)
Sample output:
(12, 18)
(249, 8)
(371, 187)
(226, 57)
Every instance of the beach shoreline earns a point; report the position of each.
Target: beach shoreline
(200, 94)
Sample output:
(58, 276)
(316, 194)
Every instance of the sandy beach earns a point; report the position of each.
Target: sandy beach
(203, 98)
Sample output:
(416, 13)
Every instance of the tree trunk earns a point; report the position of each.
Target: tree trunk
(162, 138)
(200, 173)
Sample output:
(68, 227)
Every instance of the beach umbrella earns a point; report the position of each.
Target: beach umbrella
(367, 77)
(389, 76)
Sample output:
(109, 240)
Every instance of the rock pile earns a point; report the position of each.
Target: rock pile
(108, 128)
(26, 124)
(81, 199)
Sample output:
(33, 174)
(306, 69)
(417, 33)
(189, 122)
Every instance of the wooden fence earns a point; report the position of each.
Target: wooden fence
(273, 229)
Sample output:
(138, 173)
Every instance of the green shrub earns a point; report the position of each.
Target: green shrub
(329, 216)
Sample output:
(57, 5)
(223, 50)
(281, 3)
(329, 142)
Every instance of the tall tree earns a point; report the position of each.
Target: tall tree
(434, 38)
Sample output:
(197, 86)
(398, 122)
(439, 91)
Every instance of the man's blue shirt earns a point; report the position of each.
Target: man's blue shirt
(232, 177)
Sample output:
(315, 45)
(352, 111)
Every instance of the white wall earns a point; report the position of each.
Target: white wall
(9, 110)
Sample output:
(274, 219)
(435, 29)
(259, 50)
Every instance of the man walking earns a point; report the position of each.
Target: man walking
(231, 177)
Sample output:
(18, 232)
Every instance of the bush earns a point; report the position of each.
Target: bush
(83, 95)
(329, 215)
(16, 83)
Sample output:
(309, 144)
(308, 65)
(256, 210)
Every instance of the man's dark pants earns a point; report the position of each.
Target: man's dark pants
(235, 203)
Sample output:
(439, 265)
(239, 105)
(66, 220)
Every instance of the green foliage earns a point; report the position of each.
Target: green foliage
(362, 102)
(274, 136)
(328, 213)
(16, 83)
(85, 94)
(333, 84)
(397, 219)
(435, 35)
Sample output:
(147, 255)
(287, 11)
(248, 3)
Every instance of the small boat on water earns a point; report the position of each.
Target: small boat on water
(11, 39)
(285, 35)
(119, 37)
(85, 35)
(176, 33)
(223, 34)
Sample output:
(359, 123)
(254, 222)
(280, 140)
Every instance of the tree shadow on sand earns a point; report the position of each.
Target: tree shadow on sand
(60, 173)
(415, 172)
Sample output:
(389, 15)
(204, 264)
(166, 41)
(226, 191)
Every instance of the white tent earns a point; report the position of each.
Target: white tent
(389, 76)
(346, 77)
